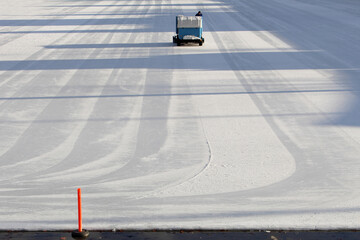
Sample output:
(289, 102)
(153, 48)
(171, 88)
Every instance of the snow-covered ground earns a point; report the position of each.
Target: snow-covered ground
(258, 128)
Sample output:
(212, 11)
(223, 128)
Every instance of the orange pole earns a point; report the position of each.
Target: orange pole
(79, 210)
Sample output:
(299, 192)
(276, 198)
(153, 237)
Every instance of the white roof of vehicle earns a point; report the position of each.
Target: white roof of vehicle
(189, 21)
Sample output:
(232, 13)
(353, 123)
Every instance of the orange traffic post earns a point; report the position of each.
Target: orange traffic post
(79, 209)
(80, 233)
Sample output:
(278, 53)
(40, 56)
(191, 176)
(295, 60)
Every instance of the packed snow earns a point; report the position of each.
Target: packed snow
(259, 128)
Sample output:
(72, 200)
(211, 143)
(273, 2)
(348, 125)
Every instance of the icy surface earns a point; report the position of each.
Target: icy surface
(258, 128)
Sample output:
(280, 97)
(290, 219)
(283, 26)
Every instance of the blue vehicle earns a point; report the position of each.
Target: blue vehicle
(188, 29)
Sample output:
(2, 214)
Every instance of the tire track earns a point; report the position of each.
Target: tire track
(318, 173)
(26, 84)
(51, 108)
(110, 162)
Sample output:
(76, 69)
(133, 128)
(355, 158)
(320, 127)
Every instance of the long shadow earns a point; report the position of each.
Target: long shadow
(175, 94)
(128, 19)
(142, 24)
(126, 119)
(337, 37)
(112, 45)
(252, 213)
(204, 61)
(100, 14)
(211, 215)
(129, 30)
(68, 22)
(195, 5)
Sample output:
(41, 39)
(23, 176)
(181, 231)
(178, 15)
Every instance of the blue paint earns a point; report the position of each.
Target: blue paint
(197, 32)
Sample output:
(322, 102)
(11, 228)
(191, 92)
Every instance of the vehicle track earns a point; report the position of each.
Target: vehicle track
(46, 170)
(305, 164)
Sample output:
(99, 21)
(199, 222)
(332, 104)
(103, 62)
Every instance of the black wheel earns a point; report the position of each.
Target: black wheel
(200, 43)
(178, 43)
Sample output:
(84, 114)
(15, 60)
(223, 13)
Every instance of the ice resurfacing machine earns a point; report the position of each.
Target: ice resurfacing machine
(188, 29)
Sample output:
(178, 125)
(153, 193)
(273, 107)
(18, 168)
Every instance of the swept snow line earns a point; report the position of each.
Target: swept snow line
(109, 162)
(206, 166)
(146, 146)
(104, 160)
(55, 152)
(74, 133)
(232, 63)
(181, 182)
(95, 169)
(25, 84)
